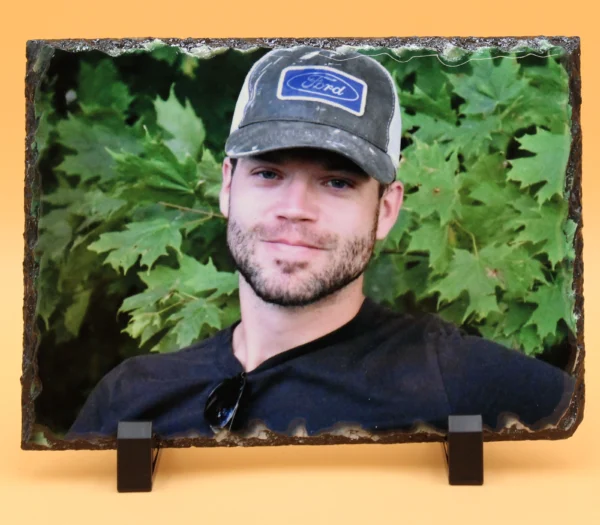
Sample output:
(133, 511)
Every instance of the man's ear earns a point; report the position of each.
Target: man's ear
(225, 192)
(389, 208)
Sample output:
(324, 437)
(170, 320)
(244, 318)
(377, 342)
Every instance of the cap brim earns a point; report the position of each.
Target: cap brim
(263, 137)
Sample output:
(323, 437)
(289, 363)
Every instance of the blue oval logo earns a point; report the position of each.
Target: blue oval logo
(323, 84)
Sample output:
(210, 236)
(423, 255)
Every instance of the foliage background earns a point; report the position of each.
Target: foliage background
(132, 245)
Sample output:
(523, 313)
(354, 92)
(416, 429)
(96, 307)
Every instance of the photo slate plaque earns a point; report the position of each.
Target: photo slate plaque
(180, 200)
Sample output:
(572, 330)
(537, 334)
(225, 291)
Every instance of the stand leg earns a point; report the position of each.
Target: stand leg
(464, 450)
(135, 464)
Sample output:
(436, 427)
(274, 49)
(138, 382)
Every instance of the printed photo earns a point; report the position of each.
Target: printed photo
(300, 241)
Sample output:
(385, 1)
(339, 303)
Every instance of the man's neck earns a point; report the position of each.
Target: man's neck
(267, 329)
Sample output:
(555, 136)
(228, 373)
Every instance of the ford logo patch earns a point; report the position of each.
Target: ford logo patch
(323, 84)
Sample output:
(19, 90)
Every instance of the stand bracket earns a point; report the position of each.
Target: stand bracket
(464, 450)
(135, 462)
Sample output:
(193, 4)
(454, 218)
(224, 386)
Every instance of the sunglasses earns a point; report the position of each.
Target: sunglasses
(223, 402)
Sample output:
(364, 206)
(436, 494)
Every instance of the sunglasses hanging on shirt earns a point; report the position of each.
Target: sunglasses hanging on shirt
(223, 402)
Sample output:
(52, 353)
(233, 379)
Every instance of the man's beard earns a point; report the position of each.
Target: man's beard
(346, 264)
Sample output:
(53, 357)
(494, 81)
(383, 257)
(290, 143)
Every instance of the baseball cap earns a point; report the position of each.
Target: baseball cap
(305, 96)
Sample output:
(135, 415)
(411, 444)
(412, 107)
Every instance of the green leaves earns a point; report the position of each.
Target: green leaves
(193, 277)
(182, 125)
(552, 306)
(100, 87)
(547, 166)
(177, 300)
(190, 320)
(475, 275)
(434, 176)
(552, 109)
(148, 240)
(90, 137)
(489, 230)
(545, 227)
(493, 82)
(156, 175)
(436, 240)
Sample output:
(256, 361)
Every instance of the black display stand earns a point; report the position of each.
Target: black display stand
(464, 450)
(136, 465)
(135, 462)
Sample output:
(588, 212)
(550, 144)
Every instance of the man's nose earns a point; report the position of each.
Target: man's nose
(298, 200)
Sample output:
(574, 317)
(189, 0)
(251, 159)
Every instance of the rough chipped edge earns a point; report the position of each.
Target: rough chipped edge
(39, 54)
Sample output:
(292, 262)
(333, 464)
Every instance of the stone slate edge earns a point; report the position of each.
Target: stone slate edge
(39, 54)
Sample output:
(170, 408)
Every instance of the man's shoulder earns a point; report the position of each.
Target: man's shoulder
(427, 331)
(414, 324)
(164, 366)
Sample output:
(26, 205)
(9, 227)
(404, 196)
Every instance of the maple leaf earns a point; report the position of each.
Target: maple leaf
(514, 267)
(431, 80)
(437, 105)
(474, 135)
(493, 194)
(169, 288)
(190, 320)
(148, 297)
(436, 240)
(157, 175)
(426, 168)
(525, 339)
(545, 225)
(548, 165)
(493, 82)
(145, 323)
(469, 273)
(184, 127)
(516, 315)
(430, 130)
(192, 277)
(529, 340)
(486, 224)
(100, 86)
(548, 103)
(96, 206)
(554, 302)
(148, 240)
(145, 310)
(90, 137)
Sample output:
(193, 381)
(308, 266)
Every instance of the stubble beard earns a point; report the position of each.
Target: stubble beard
(346, 264)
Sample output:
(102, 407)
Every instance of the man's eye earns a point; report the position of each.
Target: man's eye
(340, 183)
(268, 175)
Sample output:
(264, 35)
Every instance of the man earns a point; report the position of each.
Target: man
(309, 185)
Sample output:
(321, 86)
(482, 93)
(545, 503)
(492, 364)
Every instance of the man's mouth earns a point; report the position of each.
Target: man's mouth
(293, 243)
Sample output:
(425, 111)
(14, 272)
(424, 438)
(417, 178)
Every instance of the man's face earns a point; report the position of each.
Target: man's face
(302, 224)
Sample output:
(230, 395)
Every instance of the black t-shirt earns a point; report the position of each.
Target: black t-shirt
(382, 370)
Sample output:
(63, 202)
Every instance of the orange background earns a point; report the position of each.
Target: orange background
(553, 482)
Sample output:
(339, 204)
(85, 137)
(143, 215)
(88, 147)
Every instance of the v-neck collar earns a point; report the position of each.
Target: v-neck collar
(365, 317)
